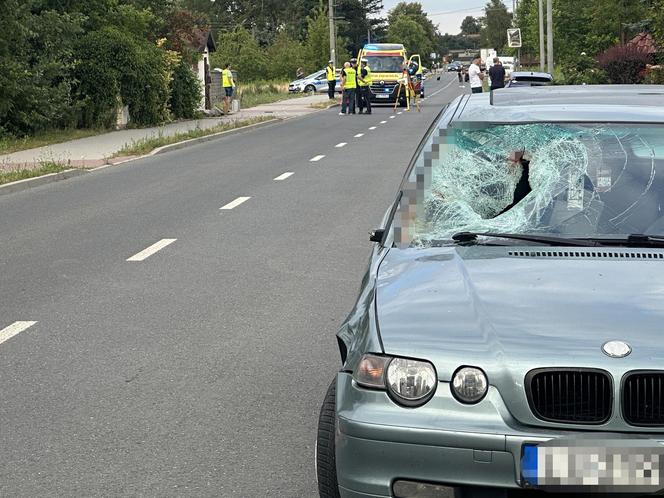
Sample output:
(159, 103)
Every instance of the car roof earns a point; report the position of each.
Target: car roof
(530, 74)
(581, 103)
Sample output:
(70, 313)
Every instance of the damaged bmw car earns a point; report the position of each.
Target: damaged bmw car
(507, 337)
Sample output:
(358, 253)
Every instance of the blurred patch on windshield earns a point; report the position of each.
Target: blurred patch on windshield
(552, 178)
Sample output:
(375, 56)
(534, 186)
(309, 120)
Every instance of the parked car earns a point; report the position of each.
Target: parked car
(508, 330)
(454, 66)
(315, 82)
(529, 78)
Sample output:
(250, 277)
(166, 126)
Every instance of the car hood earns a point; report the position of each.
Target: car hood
(506, 313)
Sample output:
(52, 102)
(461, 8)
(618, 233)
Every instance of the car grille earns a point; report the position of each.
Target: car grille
(576, 396)
(642, 398)
(386, 88)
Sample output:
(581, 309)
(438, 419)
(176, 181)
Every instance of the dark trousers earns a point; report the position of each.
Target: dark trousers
(477, 89)
(348, 101)
(364, 98)
(330, 89)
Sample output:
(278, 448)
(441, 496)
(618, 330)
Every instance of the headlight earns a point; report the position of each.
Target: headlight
(469, 385)
(411, 382)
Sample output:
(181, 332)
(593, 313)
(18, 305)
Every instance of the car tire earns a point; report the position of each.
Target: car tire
(326, 462)
(309, 89)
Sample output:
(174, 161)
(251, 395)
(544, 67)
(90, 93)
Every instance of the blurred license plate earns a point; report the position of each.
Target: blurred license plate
(609, 466)
(382, 96)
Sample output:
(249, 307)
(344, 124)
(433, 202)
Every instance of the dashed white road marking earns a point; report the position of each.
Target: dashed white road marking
(392, 117)
(383, 122)
(340, 145)
(400, 112)
(15, 328)
(316, 159)
(359, 135)
(235, 203)
(149, 251)
(372, 128)
(283, 176)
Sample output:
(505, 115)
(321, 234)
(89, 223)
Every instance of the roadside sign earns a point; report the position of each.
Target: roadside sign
(514, 38)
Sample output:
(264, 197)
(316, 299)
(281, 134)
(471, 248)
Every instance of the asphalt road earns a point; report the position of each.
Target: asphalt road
(199, 370)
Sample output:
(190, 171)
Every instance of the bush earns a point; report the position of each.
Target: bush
(623, 64)
(241, 50)
(284, 57)
(654, 75)
(583, 70)
(116, 67)
(185, 92)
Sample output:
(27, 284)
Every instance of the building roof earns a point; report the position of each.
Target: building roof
(202, 39)
(645, 43)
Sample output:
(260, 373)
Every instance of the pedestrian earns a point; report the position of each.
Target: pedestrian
(229, 87)
(497, 74)
(364, 81)
(460, 74)
(349, 84)
(475, 76)
(331, 79)
(299, 74)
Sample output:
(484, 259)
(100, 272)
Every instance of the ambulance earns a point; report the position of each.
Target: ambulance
(387, 62)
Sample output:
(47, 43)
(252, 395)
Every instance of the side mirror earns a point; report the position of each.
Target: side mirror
(376, 235)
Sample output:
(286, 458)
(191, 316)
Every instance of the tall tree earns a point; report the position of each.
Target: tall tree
(497, 20)
(404, 29)
(470, 26)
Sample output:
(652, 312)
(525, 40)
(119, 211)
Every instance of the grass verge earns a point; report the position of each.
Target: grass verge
(263, 92)
(21, 174)
(10, 144)
(324, 105)
(146, 145)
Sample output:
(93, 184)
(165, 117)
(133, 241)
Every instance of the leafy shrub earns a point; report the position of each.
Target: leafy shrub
(624, 64)
(116, 67)
(241, 50)
(185, 92)
(583, 70)
(284, 57)
(654, 75)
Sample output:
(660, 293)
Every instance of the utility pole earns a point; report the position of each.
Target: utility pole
(549, 34)
(333, 37)
(541, 34)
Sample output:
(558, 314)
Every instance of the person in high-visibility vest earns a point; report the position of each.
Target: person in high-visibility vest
(229, 86)
(331, 79)
(349, 83)
(364, 81)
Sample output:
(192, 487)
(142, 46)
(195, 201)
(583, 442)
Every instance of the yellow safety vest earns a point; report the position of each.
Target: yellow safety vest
(227, 78)
(351, 82)
(367, 79)
(330, 73)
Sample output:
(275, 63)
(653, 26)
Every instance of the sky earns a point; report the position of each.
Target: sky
(448, 14)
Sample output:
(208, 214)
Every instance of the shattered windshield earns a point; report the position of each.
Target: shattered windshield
(563, 179)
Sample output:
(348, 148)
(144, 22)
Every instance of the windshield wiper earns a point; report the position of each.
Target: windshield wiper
(633, 240)
(471, 238)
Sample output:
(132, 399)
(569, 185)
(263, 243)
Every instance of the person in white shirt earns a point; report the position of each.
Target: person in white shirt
(476, 76)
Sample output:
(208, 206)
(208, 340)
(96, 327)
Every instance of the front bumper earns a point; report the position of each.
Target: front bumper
(442, 442)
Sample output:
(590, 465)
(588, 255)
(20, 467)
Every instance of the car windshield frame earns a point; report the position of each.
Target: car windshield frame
(397, 60)
(414, 198)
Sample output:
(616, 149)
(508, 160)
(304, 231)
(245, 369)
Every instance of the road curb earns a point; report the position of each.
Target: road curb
(27, 183)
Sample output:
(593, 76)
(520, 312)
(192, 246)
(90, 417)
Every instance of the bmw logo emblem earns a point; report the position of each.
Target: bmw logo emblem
(616, 349)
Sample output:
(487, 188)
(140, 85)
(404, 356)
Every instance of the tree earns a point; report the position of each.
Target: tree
(317, 44)
(358, 19)
(404, 29)
(241, 50)
(496, 23)
(470, 26)
(284, 57)
(416, 13)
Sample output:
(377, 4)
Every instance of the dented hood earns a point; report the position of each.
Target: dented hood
(507, 314)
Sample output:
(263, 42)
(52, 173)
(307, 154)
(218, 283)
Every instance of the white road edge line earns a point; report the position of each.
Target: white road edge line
(235, 203)
(283, 176)
(359, 135)
(444, 88)
(149, 251)
(400, 112)
(340, 145)
(372, 128)
(316, 159)
(15, 328)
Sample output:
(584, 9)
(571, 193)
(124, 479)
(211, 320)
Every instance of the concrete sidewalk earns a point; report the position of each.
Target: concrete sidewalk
(95, 151)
